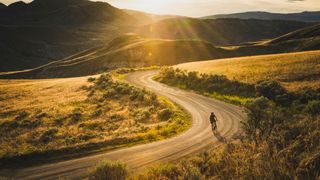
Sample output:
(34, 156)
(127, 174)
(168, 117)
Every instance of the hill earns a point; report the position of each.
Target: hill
(125, 51)
(303, 39)
(133, 50)
(42, 31)
(62, 12)
(219, 31)
(2, 6)
(294, 70)
(147, 18)
(303, 16)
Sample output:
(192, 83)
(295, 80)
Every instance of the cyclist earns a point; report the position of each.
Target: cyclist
(213, 120)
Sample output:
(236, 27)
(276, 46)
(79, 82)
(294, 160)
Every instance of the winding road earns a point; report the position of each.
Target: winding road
(199, 137)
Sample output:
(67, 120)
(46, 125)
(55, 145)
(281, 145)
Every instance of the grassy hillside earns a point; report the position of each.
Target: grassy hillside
(46, 119)
(132, 50)
(294, 70)
(220, 31)
(42, 31)
(126, 51)
(39, 32)
(302, 39)
(29, 46)
(62, 12)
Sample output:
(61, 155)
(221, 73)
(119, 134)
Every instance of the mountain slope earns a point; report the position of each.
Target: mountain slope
(147, 18)
(137, 51)
(2, 6)
(220, 31)
(42, 31)
(303, 39)
(304, 16)
(62, 12)
(126, 51)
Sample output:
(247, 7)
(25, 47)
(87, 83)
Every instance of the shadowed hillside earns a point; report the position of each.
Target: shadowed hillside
(137, 51)
(126, 51)
(2, 6)
(304, 39)
(220, 31)
(42, 31)
(62, 12)
(39, 32)
(24, 47)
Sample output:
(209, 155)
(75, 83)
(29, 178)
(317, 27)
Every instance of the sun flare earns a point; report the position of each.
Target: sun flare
(154, 6)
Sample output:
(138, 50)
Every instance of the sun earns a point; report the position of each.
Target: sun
(154, 6)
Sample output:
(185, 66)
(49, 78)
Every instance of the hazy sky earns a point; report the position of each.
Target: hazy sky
(198, 8)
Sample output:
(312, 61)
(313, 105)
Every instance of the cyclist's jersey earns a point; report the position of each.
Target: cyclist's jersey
(212, 119)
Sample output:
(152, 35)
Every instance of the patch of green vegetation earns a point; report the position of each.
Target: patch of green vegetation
(232, 91)
(109, 170)
(215, 86)
(121, 73)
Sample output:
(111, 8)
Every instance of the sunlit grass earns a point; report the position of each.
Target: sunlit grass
(229, 98)
(294, 70)
(58, 115)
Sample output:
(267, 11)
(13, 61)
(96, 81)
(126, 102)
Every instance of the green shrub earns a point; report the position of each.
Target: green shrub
(97, 113)
(274, 91)
(107, 170)
(21, 115)
(164, 171)
(27, 123)
(9, 125)
(59, 121)
(142, 115)
(70, 140)
(76, 114)
(313, 108)
(87, 136)
(116, 117)
(48, 135)
(91, 79)
(165, 114)
(124, 70)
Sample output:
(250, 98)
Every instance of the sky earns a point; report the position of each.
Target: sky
(198, 8)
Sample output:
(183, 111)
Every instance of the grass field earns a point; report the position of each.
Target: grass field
(55, 116)
(294, 70)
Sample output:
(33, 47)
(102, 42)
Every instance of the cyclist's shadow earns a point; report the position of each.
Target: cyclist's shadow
(217, 134)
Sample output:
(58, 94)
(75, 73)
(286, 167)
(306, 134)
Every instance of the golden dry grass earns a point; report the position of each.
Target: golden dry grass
(42, 115)
(294, 70)
(40, 95)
